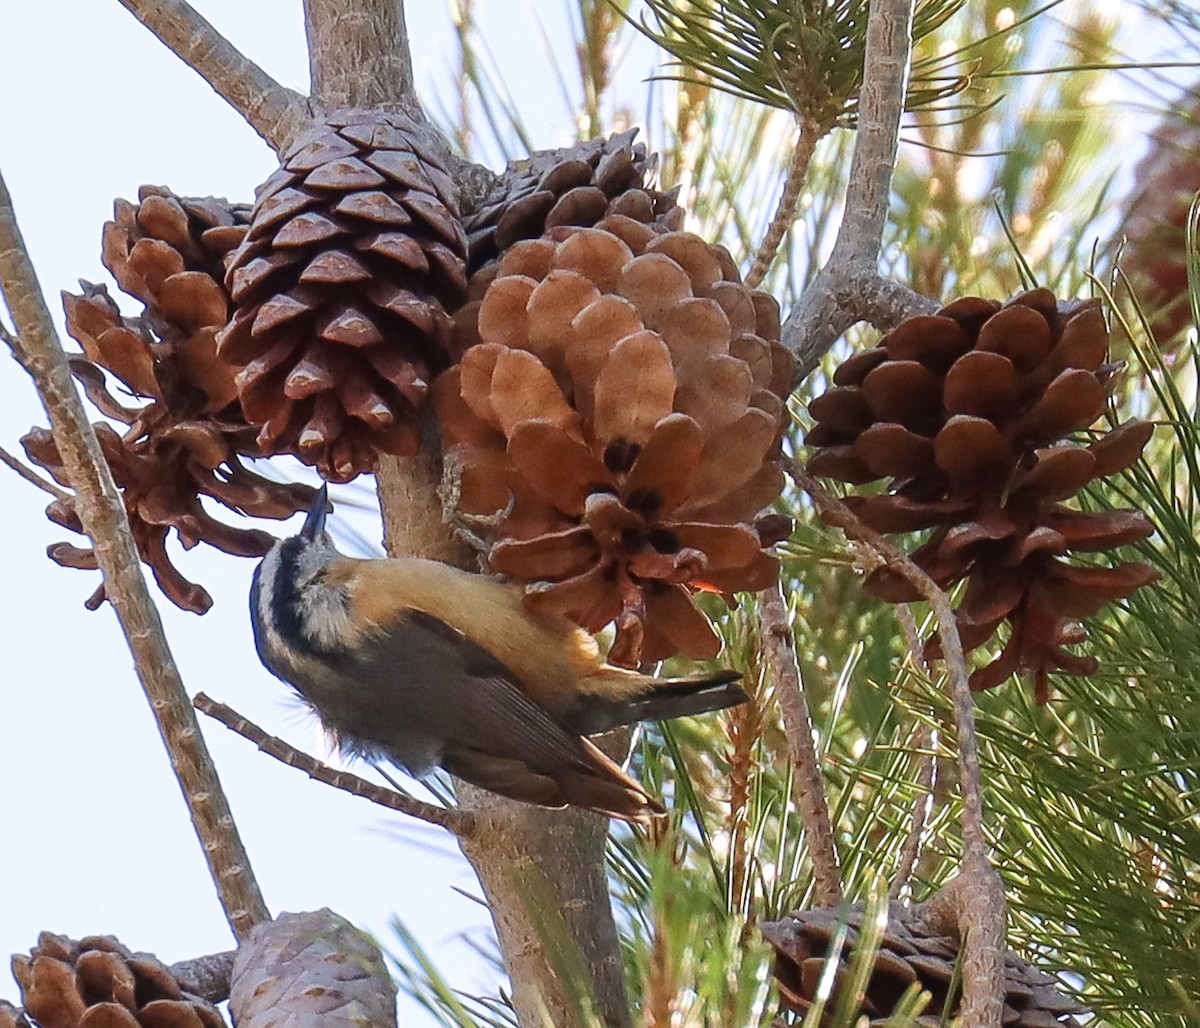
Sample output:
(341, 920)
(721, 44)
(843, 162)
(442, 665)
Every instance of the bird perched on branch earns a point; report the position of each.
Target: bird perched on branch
(429, 666)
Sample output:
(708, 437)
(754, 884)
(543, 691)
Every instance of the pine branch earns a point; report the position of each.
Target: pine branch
(102, 511)
(455, 821)
(206, 977)
(807, 134)
(31, 476)
(272, 110)
(811, 800)
(358, 54)
(978, 907)
(558, 853)
(849, 288)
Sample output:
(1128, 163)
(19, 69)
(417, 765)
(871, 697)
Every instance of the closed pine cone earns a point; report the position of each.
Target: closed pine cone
(628, 396)
(311, 970)
(965, 413)
(343, 288)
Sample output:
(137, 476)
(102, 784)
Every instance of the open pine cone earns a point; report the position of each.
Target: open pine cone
(170, 252)
(910, 953)
(577, 185)
(183, 444)
(965, 412)
(343, 288)
(626, 404)
(98, 983)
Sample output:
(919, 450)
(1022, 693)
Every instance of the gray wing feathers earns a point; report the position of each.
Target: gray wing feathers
(429, 695)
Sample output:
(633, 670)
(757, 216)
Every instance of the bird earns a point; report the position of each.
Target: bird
(425, 665)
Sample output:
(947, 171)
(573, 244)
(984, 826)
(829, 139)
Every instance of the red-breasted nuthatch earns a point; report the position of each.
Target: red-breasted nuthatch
(429, 666)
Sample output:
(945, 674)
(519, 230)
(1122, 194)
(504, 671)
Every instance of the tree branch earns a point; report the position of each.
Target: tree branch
(780, 656)
(807, 134)
(849, 288)
(526, 857)
(206, 977)
(976, 900)
(31, 476)
(455, 821)
(102, 511)
(358, 54)
(272, 110)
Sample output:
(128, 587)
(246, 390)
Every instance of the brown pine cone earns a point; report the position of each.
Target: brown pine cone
(343, 289)
(577, 185)
(964, 411)
(628, 398)
(910, 952)
(169, 251)
(174, 450)
(98, 983)
(1155, 255)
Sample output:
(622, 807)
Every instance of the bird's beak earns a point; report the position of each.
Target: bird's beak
(314, 524)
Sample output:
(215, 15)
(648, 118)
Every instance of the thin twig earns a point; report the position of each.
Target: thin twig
(807, 134)
(102, 512)
(456, 821)
(31, 476)
(972, 906)
(780, 651)
(272, 110)
(980, 914)
(849, 288)
(925, 742)
(836, 513)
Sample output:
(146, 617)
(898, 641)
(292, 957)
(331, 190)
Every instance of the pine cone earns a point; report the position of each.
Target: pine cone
(343, 285)
(910, 951)
(1155, 255)
(169, 251)
(965, 412)
(628, 396)
(577, 185)
(174, 450)
(98, 983)
(311, 970)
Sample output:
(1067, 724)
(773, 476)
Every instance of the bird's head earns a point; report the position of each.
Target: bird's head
(291, 604)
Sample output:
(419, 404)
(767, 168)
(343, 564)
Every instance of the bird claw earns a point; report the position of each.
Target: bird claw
(464, 525)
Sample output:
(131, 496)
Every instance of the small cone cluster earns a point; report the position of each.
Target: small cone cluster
(624, 406)
(343, 288)
(167, 251)
(909, 953)
(98, 983)
(578, 185)
(311, 970)
(965, 412)
(1155, 254)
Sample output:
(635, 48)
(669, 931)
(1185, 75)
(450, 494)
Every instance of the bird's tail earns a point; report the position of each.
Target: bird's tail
(664, 699)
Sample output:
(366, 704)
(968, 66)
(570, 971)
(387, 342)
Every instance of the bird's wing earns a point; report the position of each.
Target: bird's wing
(426, 678)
